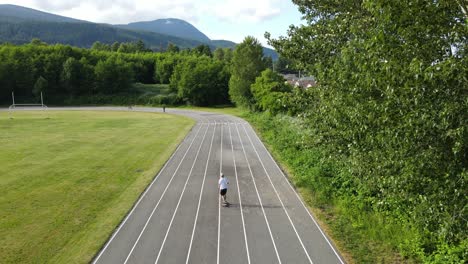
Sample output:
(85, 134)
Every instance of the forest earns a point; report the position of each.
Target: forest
(107, 74)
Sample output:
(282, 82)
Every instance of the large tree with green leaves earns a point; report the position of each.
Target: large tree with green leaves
(246, 65)
(393, 103)
(201, 81)
(270, 92)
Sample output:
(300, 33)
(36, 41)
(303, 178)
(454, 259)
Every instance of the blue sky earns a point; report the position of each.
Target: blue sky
(218, 19)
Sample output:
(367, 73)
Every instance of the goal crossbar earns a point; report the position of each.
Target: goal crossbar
(14, 106)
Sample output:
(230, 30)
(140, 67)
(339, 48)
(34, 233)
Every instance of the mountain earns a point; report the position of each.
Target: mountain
(19, 25)
(170, 26)
(84, 34)
(13, 13)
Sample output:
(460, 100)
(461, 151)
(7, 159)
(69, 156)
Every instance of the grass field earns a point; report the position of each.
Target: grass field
(67, 181)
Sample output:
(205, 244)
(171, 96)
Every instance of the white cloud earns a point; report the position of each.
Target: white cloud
(246, 10)
(132, 10)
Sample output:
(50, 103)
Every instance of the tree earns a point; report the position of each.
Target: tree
(392, 78)
(40, 86)
(201, 81)
(140, 46)
(164, 67)
(71, 76)
(202, 50)
(284, 65)
(100, 46)
(77, 76)
(172, 48)
(247, 64)
(113, 75)
(38, 42)
(115, 46)
(270, 92)
(218, 54)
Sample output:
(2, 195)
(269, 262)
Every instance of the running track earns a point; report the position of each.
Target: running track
(178, 219)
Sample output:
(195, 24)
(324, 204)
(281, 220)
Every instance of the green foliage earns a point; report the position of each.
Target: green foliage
(95, 76)
(165, 67)
(112, 75)
(246, 65)
(201, 81)
(284, 65)
(392, 104)
(270, 92)
(40, 86)
(72, 76)
(171, 48)
(202, 50)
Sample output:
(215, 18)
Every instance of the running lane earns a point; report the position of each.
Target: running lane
(179, 218)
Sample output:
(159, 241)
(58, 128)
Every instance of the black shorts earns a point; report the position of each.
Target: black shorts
(223, 191)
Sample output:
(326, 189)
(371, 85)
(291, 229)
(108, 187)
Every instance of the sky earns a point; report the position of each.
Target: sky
(218, 19)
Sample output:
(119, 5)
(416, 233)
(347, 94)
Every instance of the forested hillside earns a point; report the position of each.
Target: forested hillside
(170, 26)
(84, 34)
(19, 25)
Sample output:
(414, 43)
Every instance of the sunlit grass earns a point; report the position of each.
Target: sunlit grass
(67, 181)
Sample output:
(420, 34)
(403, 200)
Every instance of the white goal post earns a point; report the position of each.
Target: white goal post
(16, 106)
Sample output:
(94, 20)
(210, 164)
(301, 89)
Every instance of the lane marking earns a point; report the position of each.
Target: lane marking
(181, 196)
(240, 200)
(157, 204)
(258, 195)
(277, 195)
(201, 193)
(299, 198)
(136, 204)
(219, 196)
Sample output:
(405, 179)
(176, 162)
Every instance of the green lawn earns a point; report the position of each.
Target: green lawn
(67, 181)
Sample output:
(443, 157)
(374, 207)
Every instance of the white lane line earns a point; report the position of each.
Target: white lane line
(181, 196)
(240, 200)
(136, 204)
(277, 195)
(258, 195)
(164, 192)
(300, 200)
(201, 193)
(219, 196)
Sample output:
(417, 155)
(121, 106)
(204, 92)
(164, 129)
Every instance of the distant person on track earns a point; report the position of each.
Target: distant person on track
(223, 186)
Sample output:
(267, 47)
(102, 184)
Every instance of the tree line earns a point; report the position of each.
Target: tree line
(196, 76)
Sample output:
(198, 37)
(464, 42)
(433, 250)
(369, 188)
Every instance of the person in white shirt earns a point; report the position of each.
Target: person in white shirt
(223, 186)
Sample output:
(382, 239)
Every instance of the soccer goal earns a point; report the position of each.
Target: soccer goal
(26, 106)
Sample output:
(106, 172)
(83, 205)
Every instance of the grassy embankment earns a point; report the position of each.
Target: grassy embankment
(66, 182)
(363, 236)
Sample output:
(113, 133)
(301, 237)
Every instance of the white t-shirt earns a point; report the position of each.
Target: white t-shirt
(223, 183)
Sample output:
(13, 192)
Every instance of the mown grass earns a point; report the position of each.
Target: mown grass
(66, 182)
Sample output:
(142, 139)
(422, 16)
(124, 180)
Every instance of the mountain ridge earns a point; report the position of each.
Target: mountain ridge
(21, 24)
(169, 26)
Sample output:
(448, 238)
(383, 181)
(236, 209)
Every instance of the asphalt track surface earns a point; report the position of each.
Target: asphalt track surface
(180, 218)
